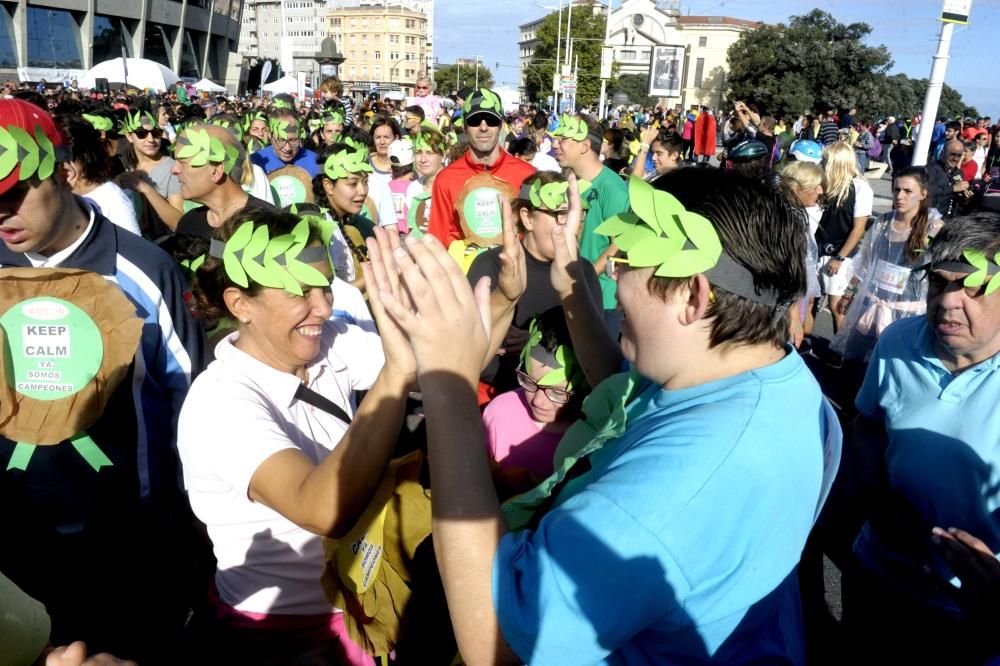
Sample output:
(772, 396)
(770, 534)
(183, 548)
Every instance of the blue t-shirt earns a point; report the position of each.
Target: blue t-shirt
(943, 454)
(269, 161)
(679, 545)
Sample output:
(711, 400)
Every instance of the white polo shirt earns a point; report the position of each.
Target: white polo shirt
(238, 413)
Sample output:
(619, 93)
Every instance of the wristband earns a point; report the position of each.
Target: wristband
(644, 148)
(840, 258)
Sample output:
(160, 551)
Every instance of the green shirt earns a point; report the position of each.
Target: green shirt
(607, 196)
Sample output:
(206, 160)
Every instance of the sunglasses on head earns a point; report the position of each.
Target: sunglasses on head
(491, 121)
(142, 133)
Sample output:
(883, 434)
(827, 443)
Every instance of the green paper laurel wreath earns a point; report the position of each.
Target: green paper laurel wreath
(134, 121)
(489, 100)
(358, 147)
(569, 369)
(571, 127)
(227, 124)
(553, 195)
(982, 265)
(200, 148)
(281, 104)
(335, 116)
(251, 254)
(660, 232)
(283, 129)
(99, 123)
(36, 156)
(342, 164)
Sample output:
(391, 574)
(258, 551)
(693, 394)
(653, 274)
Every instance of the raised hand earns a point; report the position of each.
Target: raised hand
(381, 270)
(565, 270)
(513, 279)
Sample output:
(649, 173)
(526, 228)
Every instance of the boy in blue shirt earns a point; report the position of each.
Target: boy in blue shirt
(671, 529)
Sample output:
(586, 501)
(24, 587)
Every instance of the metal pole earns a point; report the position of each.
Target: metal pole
(555, 78)
(569, 28)
(604, 82)
(938, 68)
(477, 72)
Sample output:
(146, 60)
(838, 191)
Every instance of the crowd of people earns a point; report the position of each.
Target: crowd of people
(358, 381)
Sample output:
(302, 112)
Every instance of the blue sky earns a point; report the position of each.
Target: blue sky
(488, 28)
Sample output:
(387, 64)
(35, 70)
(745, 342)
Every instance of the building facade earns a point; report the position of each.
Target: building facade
(385, 46)
(61, 39)
(289, 32)
(638, 26)
(529, 39)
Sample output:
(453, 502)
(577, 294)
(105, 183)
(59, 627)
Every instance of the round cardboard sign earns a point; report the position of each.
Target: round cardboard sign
(482, 212)
(289, 189)
(55, 348)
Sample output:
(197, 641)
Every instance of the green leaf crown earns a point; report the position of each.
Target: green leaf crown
(199, 148)
(342, 164)
(985, 270)
(36, 155)
(571, 127)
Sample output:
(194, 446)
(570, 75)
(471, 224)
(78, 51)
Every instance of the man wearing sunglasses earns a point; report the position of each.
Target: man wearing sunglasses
(63, 504)
(483, 118)
(286, 146)
(928, 432)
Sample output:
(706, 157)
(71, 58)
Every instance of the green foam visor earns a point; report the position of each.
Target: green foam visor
(281, 262)
(136, 120)
(342, 164)
(565, 367)
(981, 270)
(99, 123)
(660, 232)
(552, 196)
(200, 148)
(36, 155)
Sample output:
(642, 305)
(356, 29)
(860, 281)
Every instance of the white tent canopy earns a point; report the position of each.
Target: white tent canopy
(208, 86)
(287, 84)
(141, 74)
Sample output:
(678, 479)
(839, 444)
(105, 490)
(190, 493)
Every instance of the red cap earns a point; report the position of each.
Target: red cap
(18, 113)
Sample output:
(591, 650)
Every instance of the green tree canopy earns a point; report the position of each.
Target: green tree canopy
(588, 32)
(635, 86)
(813, 63)
(450, 78)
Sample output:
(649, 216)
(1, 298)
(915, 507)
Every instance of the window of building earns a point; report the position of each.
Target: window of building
(378, 24)
(699, 72)
(394, 55)
(53, 38)
(378, 55)
(8, 54)
(335, 22)
(703, 41)
(627, 55)
(354, 55)
(354, 23)
(410, 23)
(364, 55)
(377, 72)
(411, 56)
(394, 23)
(364, 38)
(109, 35)
(364, 23)
(364, 72)
(354, 71)
(354, 39)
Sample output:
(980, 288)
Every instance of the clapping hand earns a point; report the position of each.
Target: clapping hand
(513, 278)
(380, 269)
(565, 270)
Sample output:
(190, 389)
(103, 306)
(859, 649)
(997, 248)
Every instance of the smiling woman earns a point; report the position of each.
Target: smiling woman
(276, 451)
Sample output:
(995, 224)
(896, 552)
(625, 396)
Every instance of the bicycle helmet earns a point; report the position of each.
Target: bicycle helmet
(748, 151)
(805, 150)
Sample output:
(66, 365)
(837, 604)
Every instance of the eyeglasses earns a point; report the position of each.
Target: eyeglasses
(278, 143)
(556, 395)
(491, 121)
(938, 283)
(423, 87)
(142, 133)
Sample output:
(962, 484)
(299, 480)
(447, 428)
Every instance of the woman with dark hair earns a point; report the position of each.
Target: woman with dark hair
(276, 451)
(88, 174)
(342, 187)
(384, 131)
(884, 288)
(613, 151)
(149, 174)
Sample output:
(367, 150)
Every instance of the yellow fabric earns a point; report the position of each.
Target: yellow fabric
(373, 617)
(464, 254)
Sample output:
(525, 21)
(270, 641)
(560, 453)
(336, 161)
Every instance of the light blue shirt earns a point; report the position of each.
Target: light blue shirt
(269, 161)
(679, 545)
(943, 454)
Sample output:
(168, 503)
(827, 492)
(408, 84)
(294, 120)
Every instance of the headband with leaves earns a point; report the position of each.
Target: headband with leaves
(565, 367)
(280, 103)
(230, 125)
(334, 116)
(138, 120)
(981, 270)
(342, 164)
(99, 123)
(283, 129)
(572, 127)
(357, 146)
(199, 148)
(552, 196)
(660, 232)
(489, 100)
(281, 262)
(36, 156)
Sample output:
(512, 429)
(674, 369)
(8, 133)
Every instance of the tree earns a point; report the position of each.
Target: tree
(587, 32)
(451, 78)
(813, 63)
(899, 95)
(635, 86)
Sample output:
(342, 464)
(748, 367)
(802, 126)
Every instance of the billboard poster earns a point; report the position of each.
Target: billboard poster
(666, 71)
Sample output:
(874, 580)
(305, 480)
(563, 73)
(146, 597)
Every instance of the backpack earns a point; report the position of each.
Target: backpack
(875, 151)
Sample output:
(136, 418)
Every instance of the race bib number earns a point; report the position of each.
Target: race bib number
(890, 277)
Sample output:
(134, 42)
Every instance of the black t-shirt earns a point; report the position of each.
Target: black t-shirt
(538, 297)
(195, 221)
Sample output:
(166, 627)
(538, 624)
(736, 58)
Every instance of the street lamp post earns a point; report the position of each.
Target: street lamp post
(604, 82)
(555, 77)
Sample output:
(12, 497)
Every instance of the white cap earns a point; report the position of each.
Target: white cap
(401, 152)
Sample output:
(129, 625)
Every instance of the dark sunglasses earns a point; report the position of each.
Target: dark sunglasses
(491, 121)
(937, 283)
(142, 133)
